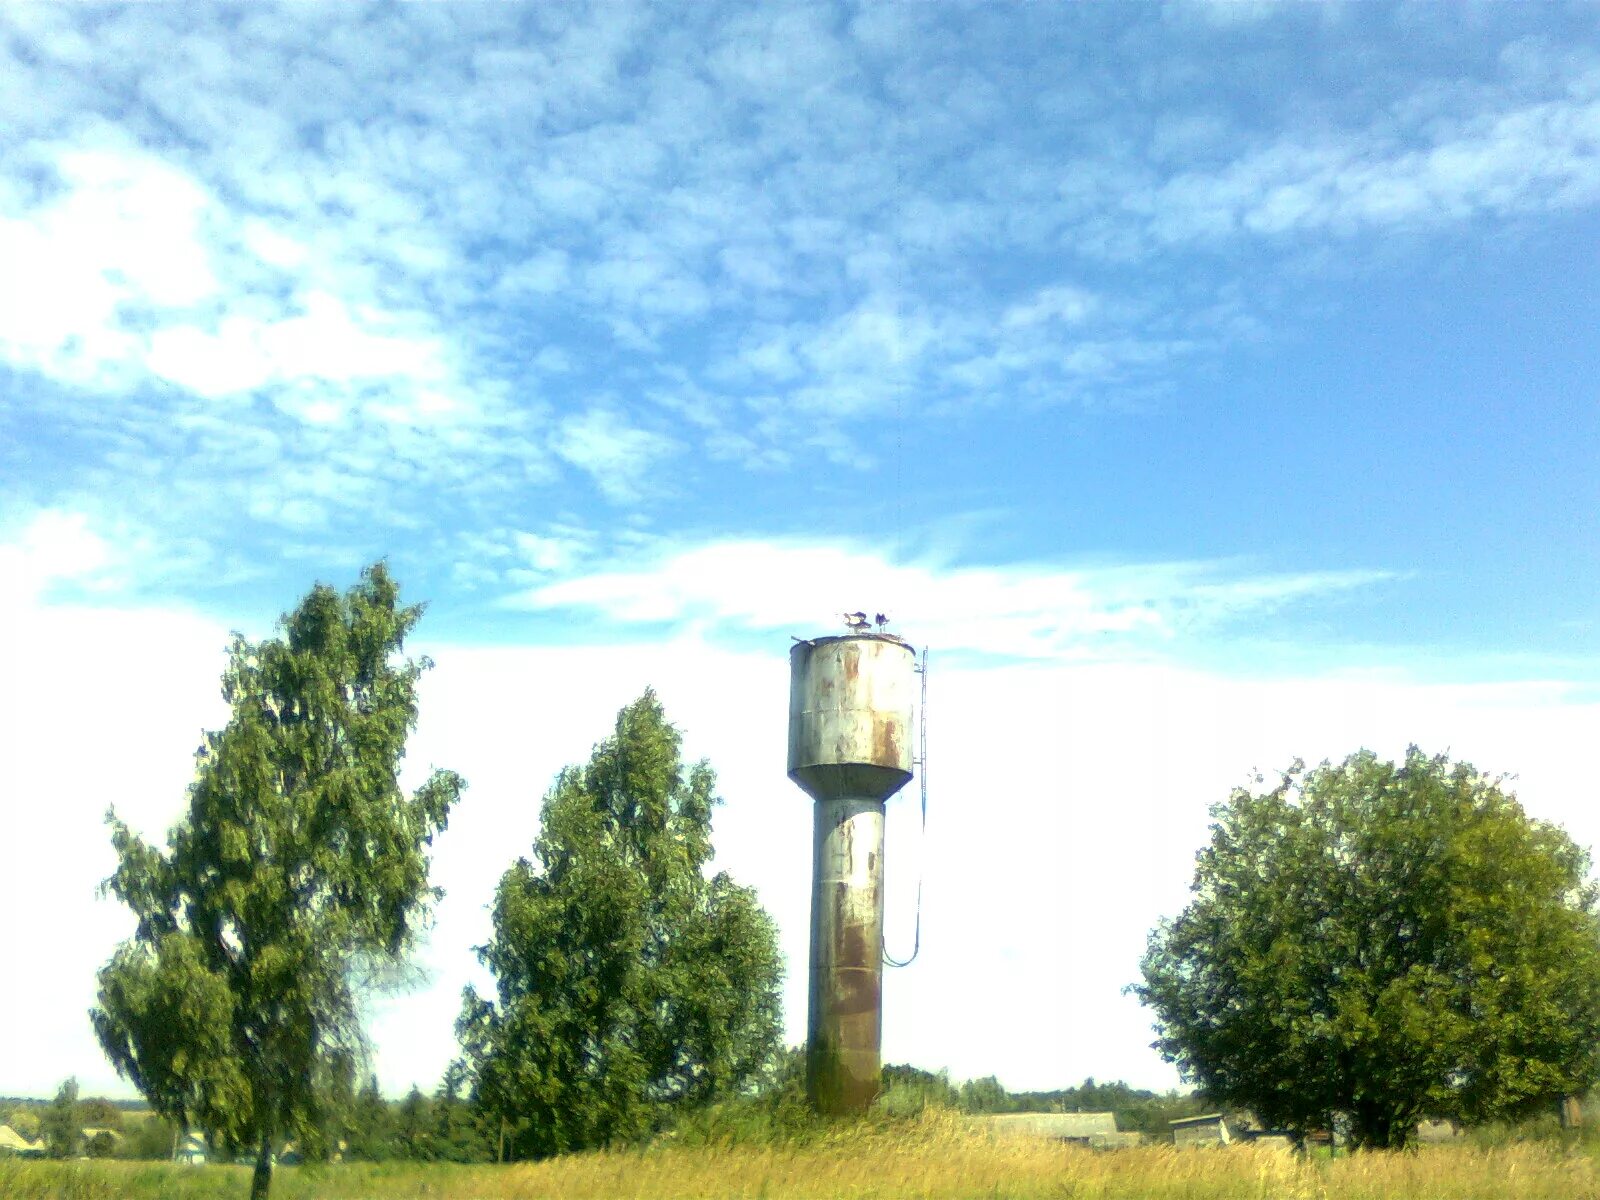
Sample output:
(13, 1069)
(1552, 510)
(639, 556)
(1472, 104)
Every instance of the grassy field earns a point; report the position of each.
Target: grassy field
(937, 1158)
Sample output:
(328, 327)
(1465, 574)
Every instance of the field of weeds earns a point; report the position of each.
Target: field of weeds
(939, 1157)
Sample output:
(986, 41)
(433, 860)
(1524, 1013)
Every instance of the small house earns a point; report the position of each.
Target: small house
(1096, 1129)
(1210, 1129)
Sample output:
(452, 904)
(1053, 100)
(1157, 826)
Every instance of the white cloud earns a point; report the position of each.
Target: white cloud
(124, 233)
(558, 549)
(616, 453)
(52, 547)
(135, 269)
(1032, 610)
(865, 221)
(1526, 159)
(1063, 303)
(325, 341)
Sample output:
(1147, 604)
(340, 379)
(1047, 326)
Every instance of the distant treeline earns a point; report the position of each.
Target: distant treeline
(444, 1127)
(908, 1088)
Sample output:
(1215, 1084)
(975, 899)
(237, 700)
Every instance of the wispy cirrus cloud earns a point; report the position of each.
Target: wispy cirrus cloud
(1025, 610)
(1436, 172)
(619, 455)
(630, 249)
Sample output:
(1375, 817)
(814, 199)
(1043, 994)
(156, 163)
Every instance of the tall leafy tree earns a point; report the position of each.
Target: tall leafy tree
(458, 1134)
(986, 1095)
(60, 1127)
(628, 981)
(99, 1113)
(299, 872)
(414, 1124)
(370, 1125)
(1381, 941)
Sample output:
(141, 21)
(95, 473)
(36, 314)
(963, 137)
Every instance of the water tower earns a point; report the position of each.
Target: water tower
(850, 748)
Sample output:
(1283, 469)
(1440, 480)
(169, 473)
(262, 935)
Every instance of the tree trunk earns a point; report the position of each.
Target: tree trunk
(1571, 1112)
(262, 1179)
(1374, 1127)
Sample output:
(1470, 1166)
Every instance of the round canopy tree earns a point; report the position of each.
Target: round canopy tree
(1381, 942)
(630, 981)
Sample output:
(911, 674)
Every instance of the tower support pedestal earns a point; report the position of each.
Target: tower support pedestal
(844, 1029)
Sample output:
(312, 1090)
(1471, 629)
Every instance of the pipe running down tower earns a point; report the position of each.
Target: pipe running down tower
(850, 748)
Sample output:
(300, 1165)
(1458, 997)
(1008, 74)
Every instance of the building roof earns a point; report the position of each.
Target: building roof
(1203, 1119)
(1055, 1125)
(11, 1140)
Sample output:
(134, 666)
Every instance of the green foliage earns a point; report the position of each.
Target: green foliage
(99, 1113)
(151, 1138)
(369, 1127)
(985, 1095)
(1137, 1110)
(628, 983)
(908, 1091)
(777, 1113)
(458, 1134)
(59, 1124)
(298, 874)
(414, 1127)
(1386, 942)
(419, 1128)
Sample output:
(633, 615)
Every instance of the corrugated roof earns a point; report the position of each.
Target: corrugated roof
(1055, 1125)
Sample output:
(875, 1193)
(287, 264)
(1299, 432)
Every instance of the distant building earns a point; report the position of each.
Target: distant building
(1211, 1129)
(12, 1142)
(191, 1149)
(1438, 1131)
(1096, 1129)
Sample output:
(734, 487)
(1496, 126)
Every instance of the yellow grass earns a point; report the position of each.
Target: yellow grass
(935, 1158)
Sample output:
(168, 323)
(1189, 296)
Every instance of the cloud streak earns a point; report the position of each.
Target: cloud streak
(1030, 611)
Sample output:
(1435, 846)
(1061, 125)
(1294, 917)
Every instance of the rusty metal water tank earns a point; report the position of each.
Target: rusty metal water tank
(850, 748)
(850, 715)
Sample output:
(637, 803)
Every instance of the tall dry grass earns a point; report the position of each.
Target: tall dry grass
(938, 1157)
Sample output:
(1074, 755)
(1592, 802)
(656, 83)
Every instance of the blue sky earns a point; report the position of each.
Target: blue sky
(1214, 354)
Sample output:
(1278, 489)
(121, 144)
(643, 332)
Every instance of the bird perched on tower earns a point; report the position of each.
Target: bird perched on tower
(882, 622)
(857, 622)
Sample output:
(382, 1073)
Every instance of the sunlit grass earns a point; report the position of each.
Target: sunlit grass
(935, 1157)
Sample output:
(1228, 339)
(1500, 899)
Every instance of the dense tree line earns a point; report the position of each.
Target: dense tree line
(123, 1129)
(908, 1089)
(441, 1127)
